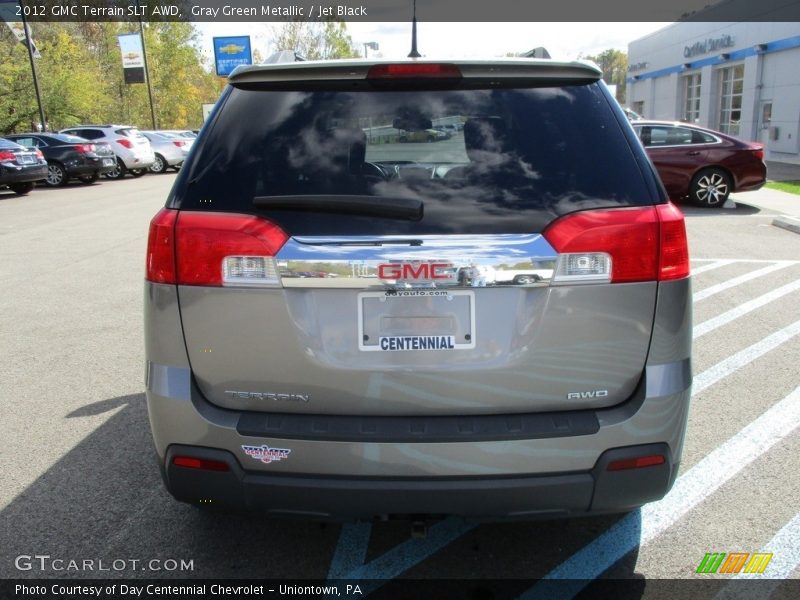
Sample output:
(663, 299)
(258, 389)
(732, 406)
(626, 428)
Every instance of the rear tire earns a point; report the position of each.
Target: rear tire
(160, 165)
(89, 179)
(56, 175)
(20, 189)
(117, 173)
(710, 188)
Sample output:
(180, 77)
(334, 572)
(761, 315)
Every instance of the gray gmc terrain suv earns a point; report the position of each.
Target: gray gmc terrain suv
(493, 324)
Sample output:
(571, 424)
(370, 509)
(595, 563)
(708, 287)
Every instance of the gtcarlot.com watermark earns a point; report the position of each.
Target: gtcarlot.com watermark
(47, 563)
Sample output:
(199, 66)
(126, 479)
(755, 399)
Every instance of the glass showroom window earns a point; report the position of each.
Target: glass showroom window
(730, 106)
(691, 98)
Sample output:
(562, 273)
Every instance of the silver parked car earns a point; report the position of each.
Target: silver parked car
(498, 325)
(170, 150)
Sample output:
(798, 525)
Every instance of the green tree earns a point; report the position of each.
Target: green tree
(614, 64)
(81, 78)
(180, 82)
(67, 80)
(314, 40)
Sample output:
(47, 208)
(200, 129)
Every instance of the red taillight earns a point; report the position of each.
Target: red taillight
(39, 154)
(759, 153)
(124, 142)
(204, 239)
(6, 155)
(179, 143)
(84, 148)
(205, 464)
(628, 235)
(674, 253)
(644, 243)
(636, 463)
(413, 70)
(160, 265)
(189, 247)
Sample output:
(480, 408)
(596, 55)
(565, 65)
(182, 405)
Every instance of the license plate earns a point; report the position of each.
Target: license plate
(108, 162)
(416, 320)
(26, 159)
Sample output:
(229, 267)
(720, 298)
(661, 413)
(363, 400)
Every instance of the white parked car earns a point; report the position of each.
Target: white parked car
(133, 150)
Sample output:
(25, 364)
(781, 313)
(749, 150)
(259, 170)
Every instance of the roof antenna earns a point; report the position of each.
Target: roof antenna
(414, 53)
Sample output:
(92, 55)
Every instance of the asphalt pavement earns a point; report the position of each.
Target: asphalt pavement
(78, 479)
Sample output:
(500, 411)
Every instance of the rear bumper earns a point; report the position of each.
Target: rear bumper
(173, 158)
(329, 498)
(324, 468)
(88, 166)
(751, 178)
(540, 476)
(10, 175)
(139, 161)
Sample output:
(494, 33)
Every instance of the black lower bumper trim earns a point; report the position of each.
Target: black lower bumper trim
(417, 429)
(337, 498)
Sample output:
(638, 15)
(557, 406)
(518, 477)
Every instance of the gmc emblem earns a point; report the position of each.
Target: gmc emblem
(416, 270)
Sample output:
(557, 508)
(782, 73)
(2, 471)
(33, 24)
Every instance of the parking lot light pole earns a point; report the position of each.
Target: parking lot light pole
(29, 46)
(146, 69)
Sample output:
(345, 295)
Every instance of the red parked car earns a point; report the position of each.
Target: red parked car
(702, 165)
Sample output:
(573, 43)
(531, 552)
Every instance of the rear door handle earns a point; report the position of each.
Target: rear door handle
(693, 153)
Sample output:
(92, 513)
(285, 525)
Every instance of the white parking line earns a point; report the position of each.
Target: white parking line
(728, 316)
(785, 551)
(726, 285)
(735, 362)
(691, 488)
(712, 266)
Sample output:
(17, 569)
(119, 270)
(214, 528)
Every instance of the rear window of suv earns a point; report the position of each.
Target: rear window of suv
(131, 132)
(519, 158)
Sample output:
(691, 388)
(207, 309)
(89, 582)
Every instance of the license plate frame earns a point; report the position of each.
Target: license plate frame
(455, 341)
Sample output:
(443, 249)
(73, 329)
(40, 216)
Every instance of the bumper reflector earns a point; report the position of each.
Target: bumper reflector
(636, 463)
(203, 464)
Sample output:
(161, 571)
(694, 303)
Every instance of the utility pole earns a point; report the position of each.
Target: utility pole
(146, 69)
(29, 46)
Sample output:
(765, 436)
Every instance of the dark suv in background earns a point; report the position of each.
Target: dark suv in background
(553, 380)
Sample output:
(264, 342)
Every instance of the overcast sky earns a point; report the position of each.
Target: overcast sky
(563, 40)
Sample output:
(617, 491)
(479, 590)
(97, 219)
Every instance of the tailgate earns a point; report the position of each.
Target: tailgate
(329, 264)
(368, 334)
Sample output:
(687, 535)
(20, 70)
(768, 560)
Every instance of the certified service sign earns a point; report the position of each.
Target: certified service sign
(230, 52)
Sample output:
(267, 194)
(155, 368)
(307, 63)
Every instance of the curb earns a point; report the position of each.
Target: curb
(789, 223)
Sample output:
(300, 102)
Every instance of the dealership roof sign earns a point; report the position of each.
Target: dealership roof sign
(709, 45)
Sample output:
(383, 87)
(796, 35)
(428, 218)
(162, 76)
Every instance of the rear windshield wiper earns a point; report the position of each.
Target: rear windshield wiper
(387, 207)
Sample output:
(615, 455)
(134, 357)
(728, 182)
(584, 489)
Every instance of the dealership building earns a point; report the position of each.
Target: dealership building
(738, 78)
